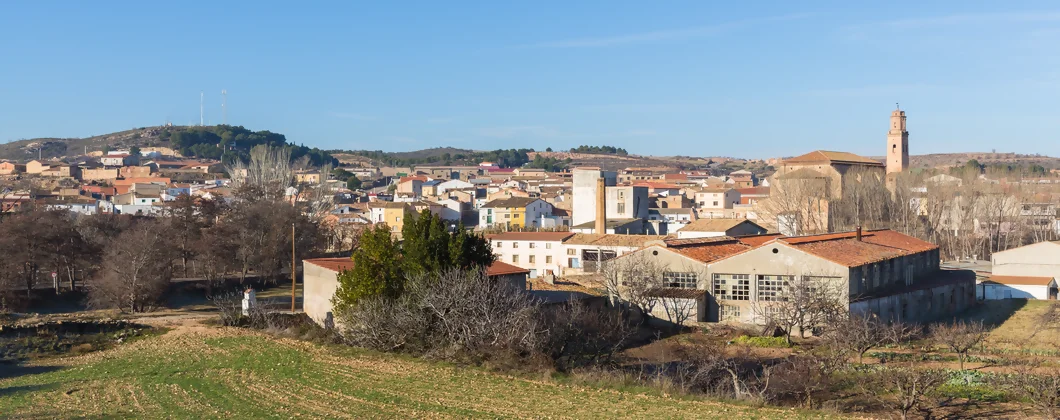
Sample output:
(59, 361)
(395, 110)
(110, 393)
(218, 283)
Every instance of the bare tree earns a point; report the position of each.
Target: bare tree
(960, 337)
(905, 389)
(1037, 382)
(796, 206)
(678, 304)
(802, 303)
(268, 173)
(633, 279)
(215, 255)
(857, 334)
(137, 269)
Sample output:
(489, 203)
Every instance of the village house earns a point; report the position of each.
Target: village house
(320, 281)
(541, 253)
(311, 176)
(713, 202)
(514, 212)
(13, 202)
(119, 160)
(585, 252)
(752, 195)
(706, 228)
(99, 174)
(1028, 272)
(409, 188)
(36, 166)
(673, 215)
(11, 168)
(742, 179)
(78, 205)
(62, 170)
(882, 272)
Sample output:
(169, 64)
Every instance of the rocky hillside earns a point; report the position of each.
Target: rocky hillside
(143, 137)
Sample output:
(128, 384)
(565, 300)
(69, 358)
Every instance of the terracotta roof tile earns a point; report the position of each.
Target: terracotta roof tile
(850, 252)
(612, 239)
(499, 268)
(530, 236)
(844, 248)
(830, 156)
(899, 240)
(333, 264)
(756, 240)
(753, 191)
(715, 225)
(711, 252)
(1021, 280)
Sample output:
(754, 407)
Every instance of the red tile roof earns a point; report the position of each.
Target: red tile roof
(825, 156)
(333, 264)
(844, 248)
(849, 252)
(898, 240)
(756, 240)
(530, 236)
(499, 268)
(657, 185)
(711, 252)
(753, 191)
(1021, 280)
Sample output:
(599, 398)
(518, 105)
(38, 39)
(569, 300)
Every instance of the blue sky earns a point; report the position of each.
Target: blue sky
(746, 79)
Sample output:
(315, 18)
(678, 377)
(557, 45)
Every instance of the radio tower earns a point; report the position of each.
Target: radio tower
(200, 109)
(224, 106)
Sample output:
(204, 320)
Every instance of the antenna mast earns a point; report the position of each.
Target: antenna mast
(200, 109)
(224, 106)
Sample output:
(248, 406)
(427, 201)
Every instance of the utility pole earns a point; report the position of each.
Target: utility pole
(224, 106)
(294, 278)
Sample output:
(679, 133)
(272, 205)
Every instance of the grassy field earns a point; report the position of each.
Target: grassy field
(1013, 323)
(197, 371)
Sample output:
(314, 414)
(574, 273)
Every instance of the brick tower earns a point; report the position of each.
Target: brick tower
(897, 143)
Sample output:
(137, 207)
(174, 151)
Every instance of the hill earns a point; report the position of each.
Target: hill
(195, 371)
(210, 142)
(945, 160)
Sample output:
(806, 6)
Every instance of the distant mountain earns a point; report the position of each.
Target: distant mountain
(943, 160)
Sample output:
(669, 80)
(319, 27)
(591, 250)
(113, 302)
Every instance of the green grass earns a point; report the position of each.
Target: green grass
(766, 342)
(229, 373)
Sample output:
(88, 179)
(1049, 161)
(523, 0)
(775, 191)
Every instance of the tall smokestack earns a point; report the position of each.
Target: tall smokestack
(858, 234)
(601, 202)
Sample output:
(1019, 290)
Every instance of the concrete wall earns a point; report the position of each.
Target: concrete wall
(993, 291)
(584, 188)
(785, 261)
(319, 285)
(921, 305)
(541, 251)
(99, 174)
(627, 202)
(1037, 260)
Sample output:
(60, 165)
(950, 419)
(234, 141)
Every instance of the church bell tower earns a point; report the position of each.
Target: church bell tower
(897, 143)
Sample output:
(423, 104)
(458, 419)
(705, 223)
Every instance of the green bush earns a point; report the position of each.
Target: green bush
(767, 342)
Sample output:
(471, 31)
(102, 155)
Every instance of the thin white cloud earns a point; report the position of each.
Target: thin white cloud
(664, 35)
(440, 120)
(353, 116)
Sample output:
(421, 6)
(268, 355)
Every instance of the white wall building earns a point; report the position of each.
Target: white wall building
(1027, 272)
(540, 252)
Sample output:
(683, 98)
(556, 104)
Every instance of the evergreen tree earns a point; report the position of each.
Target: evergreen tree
(376, 270)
